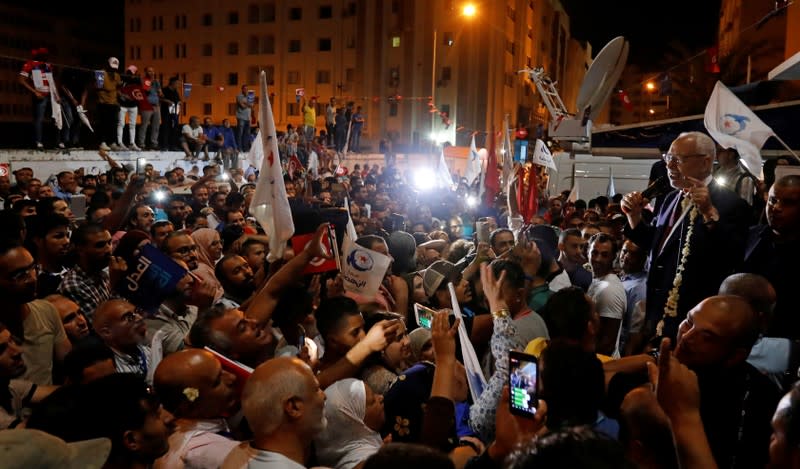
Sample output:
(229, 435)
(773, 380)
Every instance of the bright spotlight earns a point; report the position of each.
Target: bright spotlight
(422, 179)
(159, 195)
(720, 180)
(472, 201)
(469, 10)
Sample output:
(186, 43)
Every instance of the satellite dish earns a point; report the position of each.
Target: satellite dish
(601, 77)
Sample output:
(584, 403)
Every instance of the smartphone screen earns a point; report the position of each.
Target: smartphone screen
(141, 163)
(77, 204)
(424, 315)
(483, 231)
(523, 375)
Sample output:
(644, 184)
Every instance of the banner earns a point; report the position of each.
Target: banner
(187, 90)
(99, 78)
(251, 97)
(150, 279)
(318, 265)
(362, 269)
(542, 155)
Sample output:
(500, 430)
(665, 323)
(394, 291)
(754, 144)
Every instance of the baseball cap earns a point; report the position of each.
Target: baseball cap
(25, 448)
(439, 272)
(113, 62)
(133, 69)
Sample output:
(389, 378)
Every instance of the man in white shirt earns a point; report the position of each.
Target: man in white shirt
(285, 408)
(607, 292)
(192, 139)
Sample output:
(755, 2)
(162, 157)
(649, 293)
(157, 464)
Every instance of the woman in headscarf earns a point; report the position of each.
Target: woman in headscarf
(382, 369)
(209, 250)
(355, 414)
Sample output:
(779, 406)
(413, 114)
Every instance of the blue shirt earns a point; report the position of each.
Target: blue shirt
(635, 292)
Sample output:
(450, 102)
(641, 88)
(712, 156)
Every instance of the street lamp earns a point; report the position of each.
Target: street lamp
(650, 86)
(469, 10)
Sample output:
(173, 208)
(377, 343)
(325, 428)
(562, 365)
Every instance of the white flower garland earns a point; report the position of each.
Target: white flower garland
(671, 308)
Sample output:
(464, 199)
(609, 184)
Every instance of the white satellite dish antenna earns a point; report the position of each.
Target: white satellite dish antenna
(601, 77)
(596, 88)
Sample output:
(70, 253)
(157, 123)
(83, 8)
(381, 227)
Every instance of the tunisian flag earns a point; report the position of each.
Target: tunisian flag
(270, 206)
(491, 182)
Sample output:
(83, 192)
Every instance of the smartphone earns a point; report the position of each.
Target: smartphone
(482, 228)
(78, 206)
(141, 163)
(424, 315)
(523, 377)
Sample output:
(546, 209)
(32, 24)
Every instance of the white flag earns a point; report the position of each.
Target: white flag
(475, 378)
(362, 269)
(350, 228)
(574, 194)
(55, 106)
(542, 155)
(443, 176)
(270, 206)
(611, 190)
(508, 155)
(256, 154)
(734, 125)
(473, 163)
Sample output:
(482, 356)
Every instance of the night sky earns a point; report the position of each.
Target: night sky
(649, 26)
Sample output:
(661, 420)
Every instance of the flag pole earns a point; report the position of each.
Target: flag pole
(786, 147)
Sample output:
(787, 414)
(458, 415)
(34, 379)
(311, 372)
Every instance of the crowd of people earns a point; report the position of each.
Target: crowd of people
(151, 112)
(662, 327)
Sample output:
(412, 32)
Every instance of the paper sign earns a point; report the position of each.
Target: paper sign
(251, 97)
(300, 92)
(187, 90)
(150, 279)
(99, 78)
(362, 269)
(317, 264)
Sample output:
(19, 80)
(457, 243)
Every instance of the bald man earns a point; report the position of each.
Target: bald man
(200, 394)
(719, 220)
(122, 328)
(285, 408)
(737, 401)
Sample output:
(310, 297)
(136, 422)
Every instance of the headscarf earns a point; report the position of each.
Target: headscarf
(203, 238)
(403, 249)
(346, 441)
(129, 243)
(418, 337)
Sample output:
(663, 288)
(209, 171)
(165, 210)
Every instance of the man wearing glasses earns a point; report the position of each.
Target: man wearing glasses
(717, 236)
(122, 328)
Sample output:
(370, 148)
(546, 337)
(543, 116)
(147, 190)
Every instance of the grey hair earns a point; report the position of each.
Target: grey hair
(703, 143)
(263, 399)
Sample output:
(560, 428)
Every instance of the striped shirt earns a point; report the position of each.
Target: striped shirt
(138, 364)
(88, 291)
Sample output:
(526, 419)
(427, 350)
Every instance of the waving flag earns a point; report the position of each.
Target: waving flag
(443, 177)
(270, 206)
(611, 189)
(473, 163)
(350, 228)
(734, 125)
(542, 155)
(256, 154)
(508, 155)
(475, 378)
(490, 184)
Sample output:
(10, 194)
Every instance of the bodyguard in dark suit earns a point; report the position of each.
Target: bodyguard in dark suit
(718, 234)
(773, 250)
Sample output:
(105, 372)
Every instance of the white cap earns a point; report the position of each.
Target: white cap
(113, 62)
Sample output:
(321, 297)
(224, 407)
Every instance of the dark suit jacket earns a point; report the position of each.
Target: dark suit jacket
(715, 253)
(778, 262)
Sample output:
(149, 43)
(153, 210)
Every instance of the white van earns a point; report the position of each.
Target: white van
(592, 174)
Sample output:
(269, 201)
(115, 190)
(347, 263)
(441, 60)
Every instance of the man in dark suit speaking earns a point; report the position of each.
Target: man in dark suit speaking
(695, 240)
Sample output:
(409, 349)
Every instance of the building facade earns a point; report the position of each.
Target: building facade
(377, 54)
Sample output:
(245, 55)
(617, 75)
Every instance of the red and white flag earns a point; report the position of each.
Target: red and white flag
(270, 206)
(318, 264)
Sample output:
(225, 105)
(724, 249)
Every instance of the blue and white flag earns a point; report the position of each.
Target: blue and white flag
(475, 378)
(611, 190)
(542, 155)
(734, 125)
(362, 269)
(150, 279)
(473, 164)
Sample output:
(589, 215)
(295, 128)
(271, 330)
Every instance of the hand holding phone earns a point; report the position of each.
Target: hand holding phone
(523, 378)
(482, 227)
(424, 315)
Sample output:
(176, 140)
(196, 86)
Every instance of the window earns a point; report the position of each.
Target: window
(180, 51)
(294, 45)
(233, 79)
(207, 79)
(207, 49)
(180, 21)
(393, 109)
(446, 73)
(350, 42)
(207, 108)
(270, 72)
(253, 14)
(158, 52)
(208, 19)
(268, 44)
(292, 109)
(509, 79)
(135, 25)
(252, 74)
(233, 48)
(293, 77)
(295, 14)
(447, 39)
(324, 45)
(233, 17)
(253, 45)
(325, 12)
(395, 41)
(394, 77)
(158, 23)
(323, 76)
(268, 13)
(445, 108)
(351, 9)
(350, 75)
(395, 7)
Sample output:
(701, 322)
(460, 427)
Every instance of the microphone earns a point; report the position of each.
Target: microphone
(659, 187)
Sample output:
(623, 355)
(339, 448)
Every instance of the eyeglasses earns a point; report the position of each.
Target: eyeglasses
(184, 250)
(23, 274)
(680, 159)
